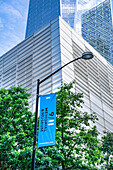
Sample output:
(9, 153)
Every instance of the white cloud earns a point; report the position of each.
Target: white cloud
(12, 40)
(10, 10)
(13, 18)
(88, 4)
(1, 51)
(1, 24)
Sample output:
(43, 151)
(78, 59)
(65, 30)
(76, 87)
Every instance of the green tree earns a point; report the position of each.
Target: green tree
(16, 129)
(77, 146)
(107, 148)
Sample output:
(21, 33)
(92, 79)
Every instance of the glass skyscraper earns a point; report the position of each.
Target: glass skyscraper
(43, 11)
(96, 21)
(97, 28)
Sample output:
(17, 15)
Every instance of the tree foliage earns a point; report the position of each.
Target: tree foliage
(107, 148)
(77, 146)
(16, 129)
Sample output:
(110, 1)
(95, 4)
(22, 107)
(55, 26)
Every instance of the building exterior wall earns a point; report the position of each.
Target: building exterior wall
(32, 59)
(97, 29)
(93, 78)
(48, 49)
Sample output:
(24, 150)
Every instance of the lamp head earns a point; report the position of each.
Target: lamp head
(87, 55)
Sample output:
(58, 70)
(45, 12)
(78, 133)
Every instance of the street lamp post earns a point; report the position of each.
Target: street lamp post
(85, 56)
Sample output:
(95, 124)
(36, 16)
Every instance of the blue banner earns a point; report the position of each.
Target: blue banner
(47, 120)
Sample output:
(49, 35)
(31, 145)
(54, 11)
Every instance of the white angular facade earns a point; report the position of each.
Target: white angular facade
(48, 49)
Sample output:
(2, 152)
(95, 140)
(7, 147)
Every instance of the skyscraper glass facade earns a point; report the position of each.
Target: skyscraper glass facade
(43, 11)
(40, 13)
(68, 11)
(97, 29)
(96, 21)
(82, 7)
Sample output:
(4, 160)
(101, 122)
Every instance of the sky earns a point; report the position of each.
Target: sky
(13, 19)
